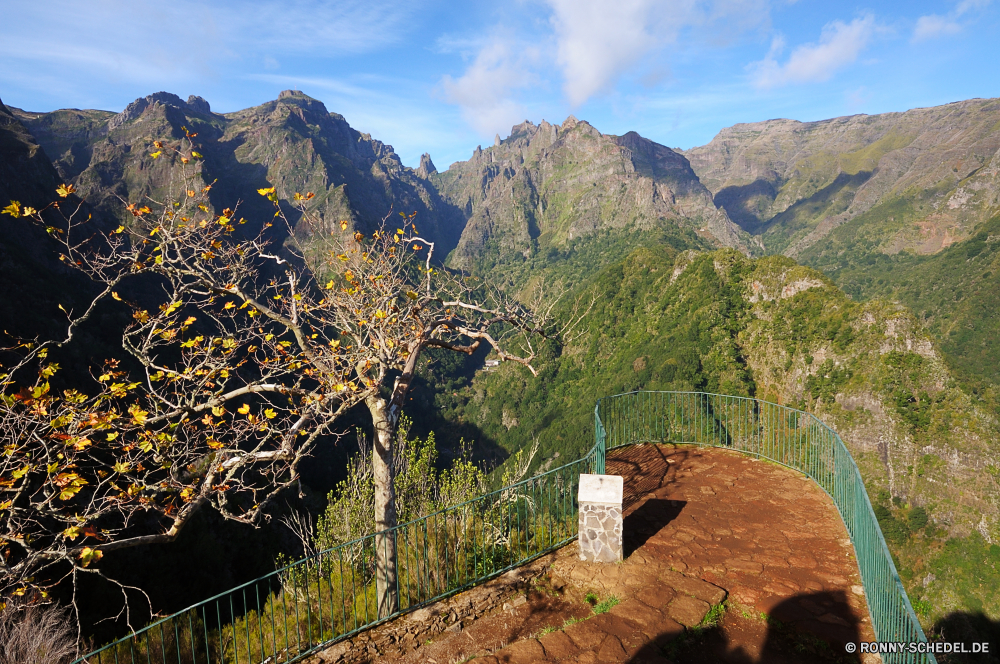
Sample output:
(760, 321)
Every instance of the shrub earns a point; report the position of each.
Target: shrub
(36, 635)
(917, 518)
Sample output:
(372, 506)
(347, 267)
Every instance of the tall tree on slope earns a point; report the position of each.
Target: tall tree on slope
(244, 358)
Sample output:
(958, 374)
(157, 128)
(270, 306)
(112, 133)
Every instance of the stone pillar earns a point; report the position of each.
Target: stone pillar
(600, 500)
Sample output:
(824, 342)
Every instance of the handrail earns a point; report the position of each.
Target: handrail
(790, 437)
(303, 607)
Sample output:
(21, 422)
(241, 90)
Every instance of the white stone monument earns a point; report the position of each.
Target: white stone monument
(600, 500)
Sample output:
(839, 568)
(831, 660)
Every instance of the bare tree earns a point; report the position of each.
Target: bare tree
(246, 360)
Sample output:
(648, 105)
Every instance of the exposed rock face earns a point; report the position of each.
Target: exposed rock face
(198, 104)
(292, 143)
(545, 185)
(797, 181)
(426, 167)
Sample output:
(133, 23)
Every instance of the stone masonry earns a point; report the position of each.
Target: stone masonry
(601, 526)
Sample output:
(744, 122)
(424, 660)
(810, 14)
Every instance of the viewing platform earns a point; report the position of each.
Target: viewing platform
(702, 525)
(727, 499)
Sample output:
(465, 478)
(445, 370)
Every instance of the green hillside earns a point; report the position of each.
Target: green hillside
(956, 293)
(720, 322)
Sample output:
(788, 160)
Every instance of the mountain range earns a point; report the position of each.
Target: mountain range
(848, 266)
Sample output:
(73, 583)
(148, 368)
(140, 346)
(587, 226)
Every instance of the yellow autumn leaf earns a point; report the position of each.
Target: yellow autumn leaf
(138, 415)
(189, 320)
(343, 225)
(71, 533)
(270, 414)
(265, 192)
(116, 296)
(65, 190)
(229, 305)
(28, 210)
(14, 209)
(214, 444)
(89, 555)
(244, 409)
(197, 155)
(156, 155)
(122, 467)
(218, 411)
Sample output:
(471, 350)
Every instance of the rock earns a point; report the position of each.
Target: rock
(687, 610)
(426, 166)
(198, 104)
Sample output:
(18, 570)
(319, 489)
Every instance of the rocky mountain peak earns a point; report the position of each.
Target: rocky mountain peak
(194, 104)
(198, 104)
(426, 166)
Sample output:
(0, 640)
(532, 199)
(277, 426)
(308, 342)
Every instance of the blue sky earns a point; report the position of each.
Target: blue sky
(442, 77)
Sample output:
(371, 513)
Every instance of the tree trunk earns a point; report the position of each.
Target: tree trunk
(386, 587)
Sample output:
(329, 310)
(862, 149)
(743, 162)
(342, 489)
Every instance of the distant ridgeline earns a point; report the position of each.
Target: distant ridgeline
(888, 331)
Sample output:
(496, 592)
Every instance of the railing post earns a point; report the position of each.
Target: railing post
(600, 447)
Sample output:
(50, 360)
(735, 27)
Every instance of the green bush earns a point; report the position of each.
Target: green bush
(916, 519)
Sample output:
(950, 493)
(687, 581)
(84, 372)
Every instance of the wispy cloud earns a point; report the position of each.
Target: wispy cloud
(485, 91)
(155, 43)
(839, 45)
(598, 40)
(935, 25)
(932, 25)
(591, 45)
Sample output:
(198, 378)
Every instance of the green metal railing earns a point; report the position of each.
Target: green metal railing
(302, 608)
(793, 438)
(299, 609)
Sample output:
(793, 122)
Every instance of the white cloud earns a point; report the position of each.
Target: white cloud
(598, 40)
(968, 5)
(485, 91)
(593, 44)
(932, 25)
(839, 45)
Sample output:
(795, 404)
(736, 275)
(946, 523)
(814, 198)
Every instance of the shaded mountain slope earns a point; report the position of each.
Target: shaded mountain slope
(292, 143)
(34, 282)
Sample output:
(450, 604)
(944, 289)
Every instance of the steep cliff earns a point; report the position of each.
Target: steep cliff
(546, 185)
(292, 143)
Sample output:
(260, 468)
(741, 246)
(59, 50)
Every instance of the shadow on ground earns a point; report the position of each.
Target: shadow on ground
(968, 628)
(647, 520)
(809, 627)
